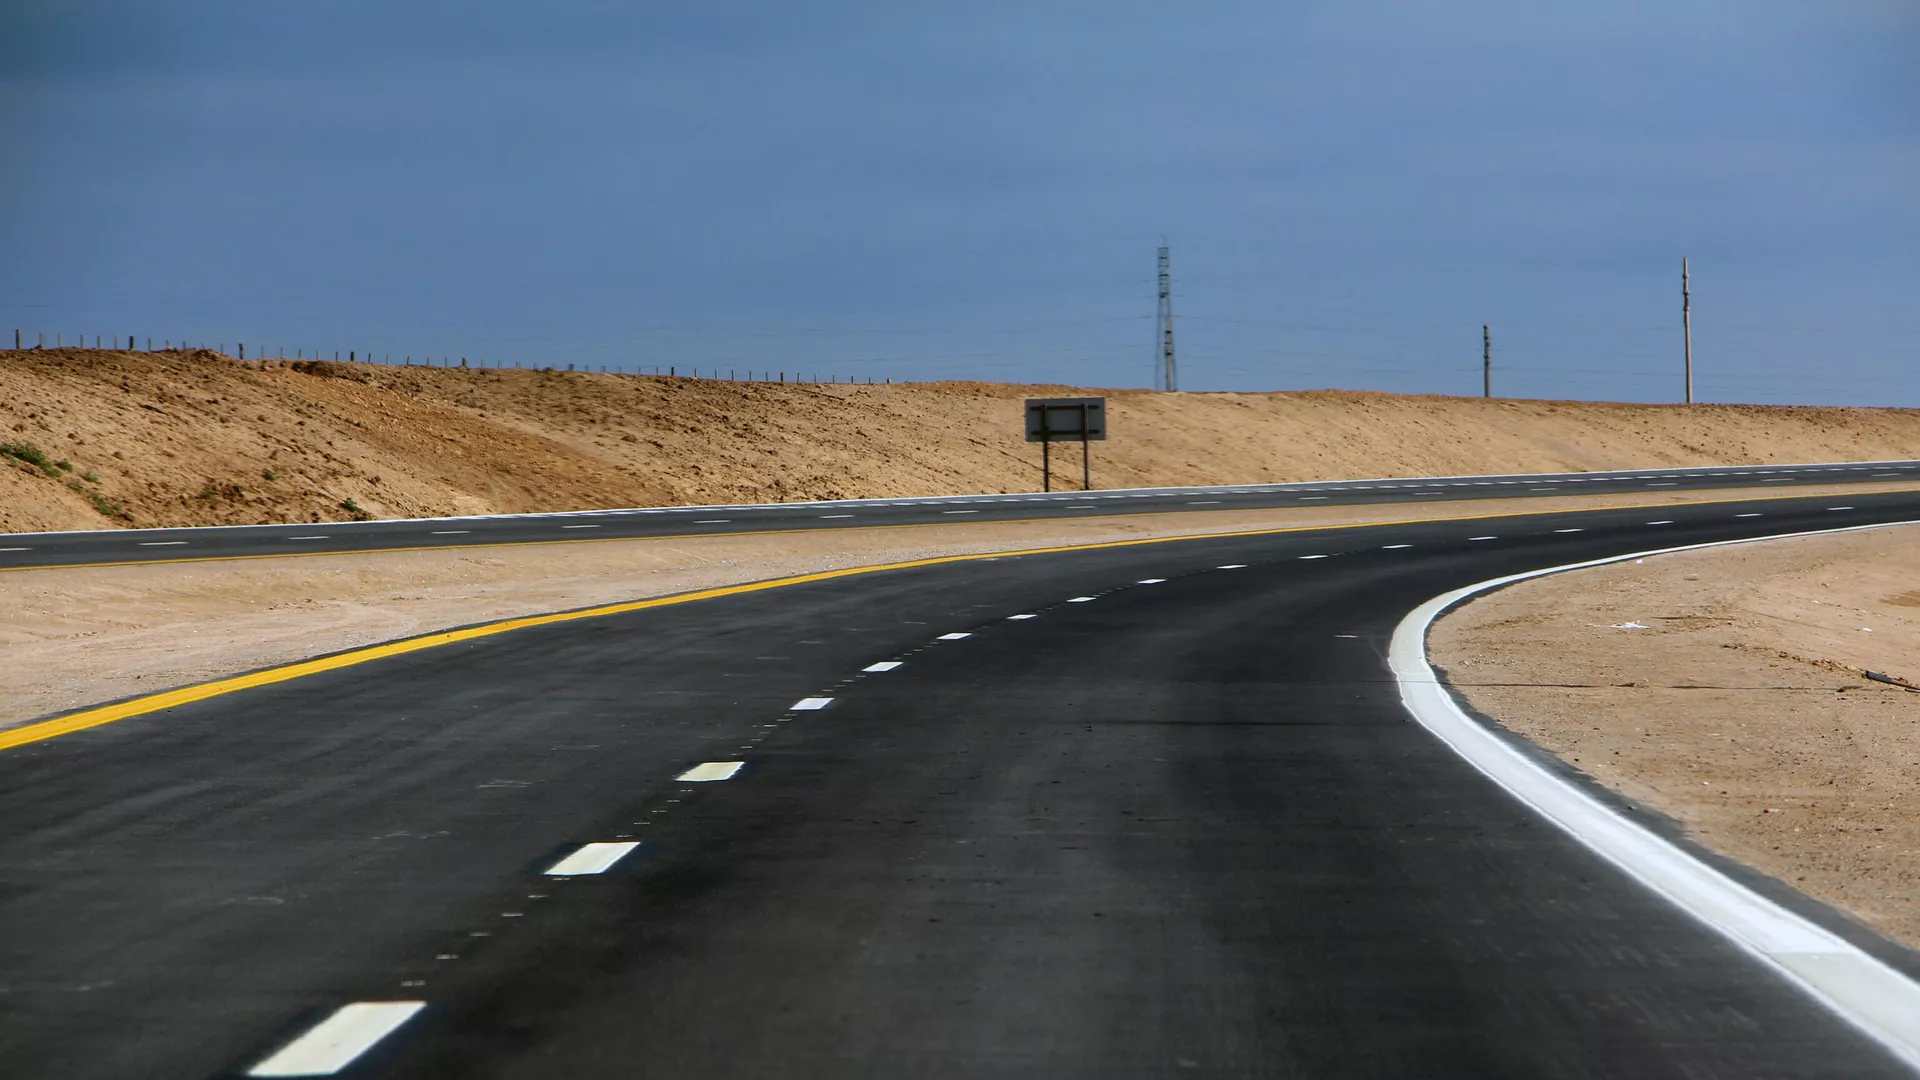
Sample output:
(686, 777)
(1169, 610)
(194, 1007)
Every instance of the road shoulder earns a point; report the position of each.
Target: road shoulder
(1726, 688)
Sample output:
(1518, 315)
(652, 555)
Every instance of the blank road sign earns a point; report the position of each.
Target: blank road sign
(1068, 419)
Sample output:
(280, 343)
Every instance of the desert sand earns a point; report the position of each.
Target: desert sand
(1726, 688)
(194, 438)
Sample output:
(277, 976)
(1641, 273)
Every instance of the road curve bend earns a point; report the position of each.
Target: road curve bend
(1128, 810)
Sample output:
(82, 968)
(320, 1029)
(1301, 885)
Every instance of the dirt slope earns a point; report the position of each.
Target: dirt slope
(196, 438)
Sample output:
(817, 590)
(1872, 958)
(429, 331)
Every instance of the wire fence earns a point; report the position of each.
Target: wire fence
(1621, 364)
(102, 342)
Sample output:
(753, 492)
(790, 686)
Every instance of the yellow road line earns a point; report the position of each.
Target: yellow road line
(107, 714)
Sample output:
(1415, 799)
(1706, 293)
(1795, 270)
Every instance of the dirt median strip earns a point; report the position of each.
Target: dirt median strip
(1727, 689)
(76, 637)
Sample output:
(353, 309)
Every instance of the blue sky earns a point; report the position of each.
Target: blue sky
(928, 190)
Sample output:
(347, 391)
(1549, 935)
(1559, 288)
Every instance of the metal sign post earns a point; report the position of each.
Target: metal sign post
(1081, 420)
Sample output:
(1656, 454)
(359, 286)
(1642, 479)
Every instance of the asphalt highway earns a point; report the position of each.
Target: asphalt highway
(1127, 812)
(98, 546)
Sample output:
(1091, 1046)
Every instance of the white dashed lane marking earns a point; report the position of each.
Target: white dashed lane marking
(1569, 530)
(450, 532)
(579, 526)
(959, 511)
(1746, 515)
(829, 517)
(1472, 538)
(808, 704)
(162, 543)
(1830, 509)
(1303, 557)
(712, 521)
(16, 549)
(1232, 566)
(1081, 600)
(708, 772)
(1150, 581)
(953, 637)
(596, 858)
(884, 665)
(309, 538)
(1659, 522)
(1396, 547)
(334, 1043)
(1016, 618)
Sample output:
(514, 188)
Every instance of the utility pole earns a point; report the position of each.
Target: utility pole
(1486, 360)
(1686, 325)
(1168, 376)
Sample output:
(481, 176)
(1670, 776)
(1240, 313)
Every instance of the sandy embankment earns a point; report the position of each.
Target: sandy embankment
(152, 439)
(1740, 709)
(75, 637)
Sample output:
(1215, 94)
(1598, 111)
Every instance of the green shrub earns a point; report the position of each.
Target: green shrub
(32, 455)
(107, 507)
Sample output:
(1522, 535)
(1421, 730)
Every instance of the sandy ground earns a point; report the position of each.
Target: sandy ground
(193, 438)
(1740, 709)
(75, 637)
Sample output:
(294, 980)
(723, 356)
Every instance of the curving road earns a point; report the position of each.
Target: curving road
(1135, 811)
(111, 546)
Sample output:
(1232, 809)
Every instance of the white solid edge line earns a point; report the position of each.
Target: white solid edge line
(333, 1043)
(884, 665)
(594, 858)
(1862, 990)
(806, 704)
(708, 772)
